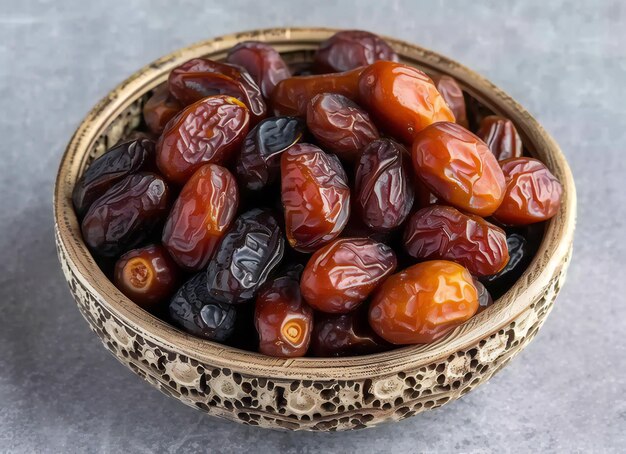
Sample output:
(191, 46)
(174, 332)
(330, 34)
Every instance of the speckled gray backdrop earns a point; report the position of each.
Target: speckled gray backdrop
(563, 60)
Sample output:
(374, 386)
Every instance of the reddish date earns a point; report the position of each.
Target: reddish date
(208, 131)
(202, 213)
(160, 108)
(342, 274)
(453, 95)
(340, 125)
(383, 185)
(262, 62)
(532, 193)
(423, 303)
(315, 197)
(441, 232)
(148, 276)
(350, 49)
(459, 168)
(501, 137)
(401, 98)
(126, 214)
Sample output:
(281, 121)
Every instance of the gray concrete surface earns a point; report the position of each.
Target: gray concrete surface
(61, 392)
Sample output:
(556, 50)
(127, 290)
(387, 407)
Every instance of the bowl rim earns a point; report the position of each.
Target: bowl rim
(551, 255)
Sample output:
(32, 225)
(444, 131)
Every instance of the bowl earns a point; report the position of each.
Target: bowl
(307, 393)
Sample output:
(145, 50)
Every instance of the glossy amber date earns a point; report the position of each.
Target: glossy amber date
(459, 168)
(113, 166)
(201, 77)
(501, 137)
(345, 335)
(315, 196)
(147, 275)
(340, 125)
(262, 62)
(250, 251)
(291, 96)
(200, 216)
(441, 232)
(125, 215)
(423, 303)
(453, 95)
(342, 274)
(349, 49)
(383, 185)
(402, 99)
(208, 131)
(192, 309)
(160, 108)
(282, 318)
(532, 193)
(259, 161)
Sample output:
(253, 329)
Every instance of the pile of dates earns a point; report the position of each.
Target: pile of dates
(336, 212)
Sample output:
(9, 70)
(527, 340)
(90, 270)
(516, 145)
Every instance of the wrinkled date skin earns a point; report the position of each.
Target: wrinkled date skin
(116, 164)
(501, 137)
(345, 335)
(262, 62)
(453, 95)
(125, 215)
(342, 274)
(350, 49)
(147, 275)
(441, 232)
(200, 216)
(201, 77)
(193, 310)
(383, 185)
(259, 161)
(402, 99)
(532, 193)
(245, 257)
(459, 168)
(520, 256)
(340, 125)
(315, 197)
(423, 303)
(208, 131)
(291, 96)
(282, 318)
(160, 108)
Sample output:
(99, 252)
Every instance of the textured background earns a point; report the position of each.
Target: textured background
(563, 60)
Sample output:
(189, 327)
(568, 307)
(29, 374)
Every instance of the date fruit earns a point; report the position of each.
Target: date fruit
(245, 257)
(208, 131)
(453, 95)
(441, 232)
(459, 168)
(520, 256)
(383, 185)
(147, 275)
(342, 274)
(339, 125)
(125, 215)
(315, 197)
(401, 98)
(501, 137)
(349, 49)
(423, 303)
(200, 216)
(259, 161)
(160, 108)
(484, 297)
(532, 193)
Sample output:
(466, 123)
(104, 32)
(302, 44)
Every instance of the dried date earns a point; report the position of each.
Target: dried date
(453, 95)
(160, 108)
(501, 137)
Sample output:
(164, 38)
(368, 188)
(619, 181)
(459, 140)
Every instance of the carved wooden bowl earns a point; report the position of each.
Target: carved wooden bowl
(307, 393)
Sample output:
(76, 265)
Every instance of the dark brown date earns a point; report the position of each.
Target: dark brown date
(160, 108)
(340, 125)
(349, 49)
(113, 166)
(245, 257)
(484, 297)
(383, 185)
(441, 232)
(520, 255)
(501, 137)
(126, 214)
(453, 95)
(259, 161)
(262, 62)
